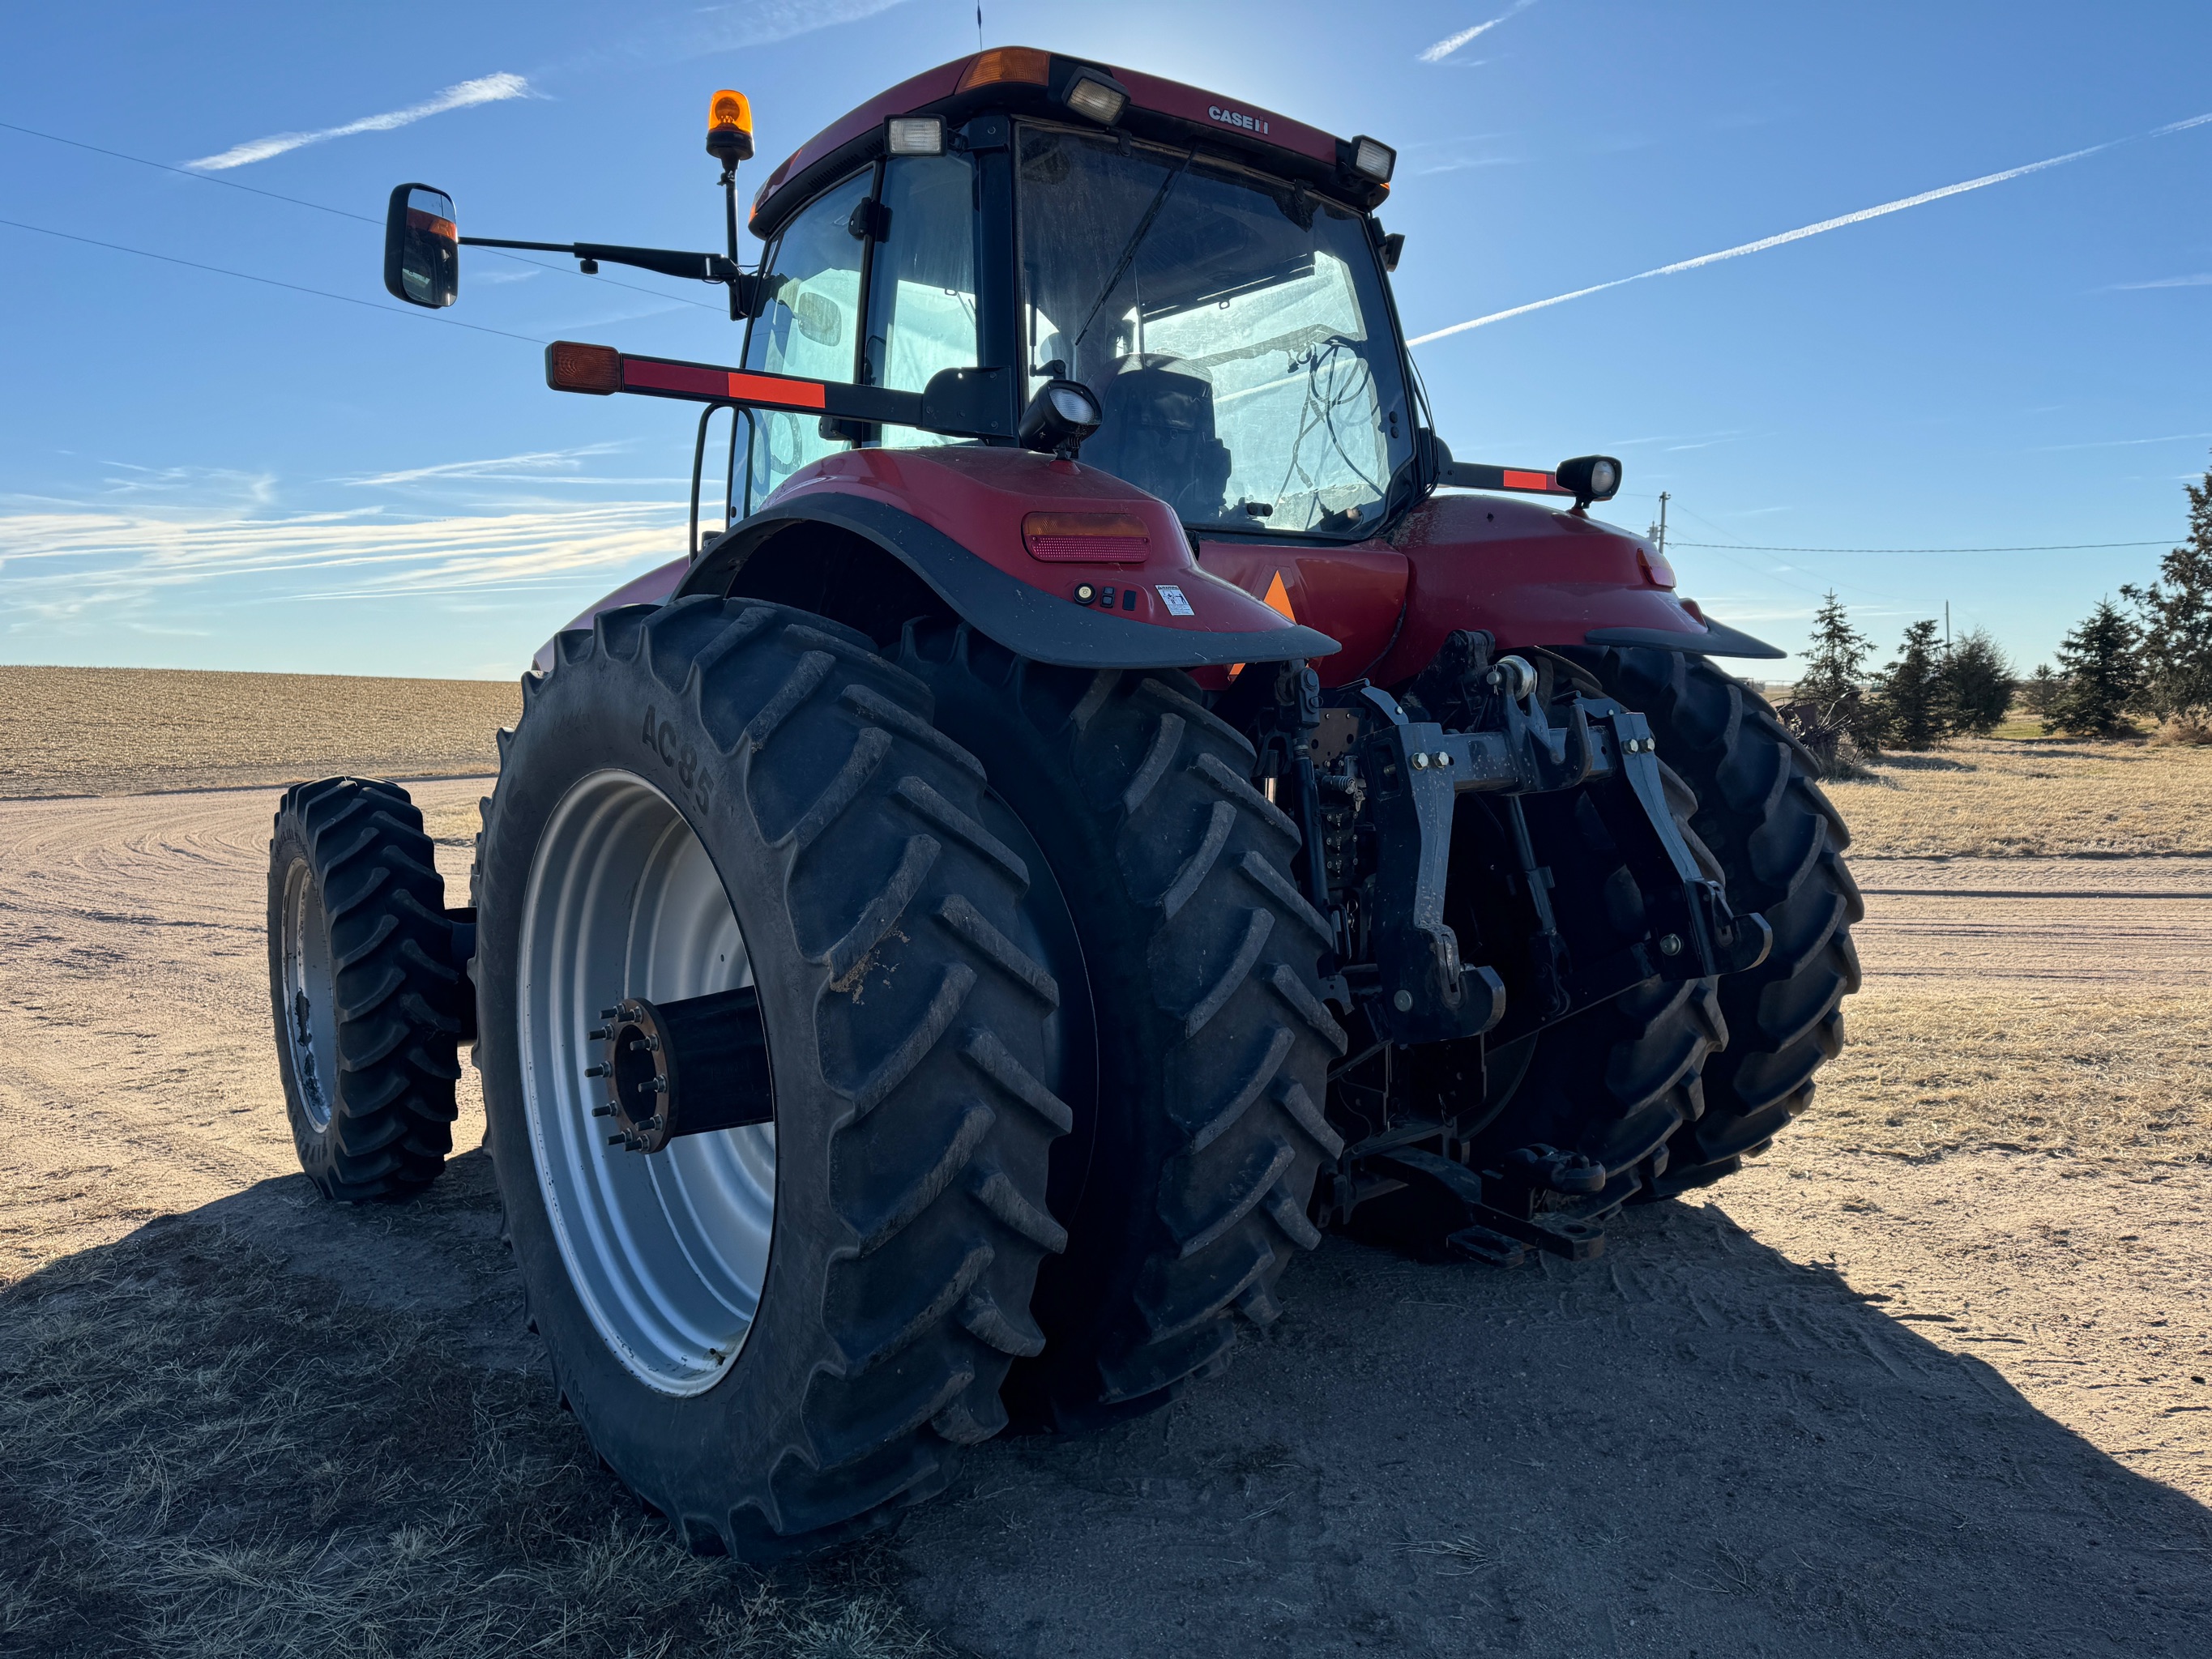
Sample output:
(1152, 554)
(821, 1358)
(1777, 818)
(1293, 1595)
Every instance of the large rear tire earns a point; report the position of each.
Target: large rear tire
(778, 1334)
(1186, 1186)
(368, 1000)
(1780, 843)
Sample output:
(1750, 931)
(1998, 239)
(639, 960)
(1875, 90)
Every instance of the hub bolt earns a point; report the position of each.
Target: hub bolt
(1402, 1001)
(1670, 944)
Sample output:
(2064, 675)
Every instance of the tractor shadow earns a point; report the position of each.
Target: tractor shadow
(1691, 1445)
(278, 1425)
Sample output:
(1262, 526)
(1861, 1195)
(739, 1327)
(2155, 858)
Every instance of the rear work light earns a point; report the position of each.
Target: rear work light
(1377, 161)
(572, 368)
(1087, 537)
(1024, 63)
(916, 134)
(1095, 95)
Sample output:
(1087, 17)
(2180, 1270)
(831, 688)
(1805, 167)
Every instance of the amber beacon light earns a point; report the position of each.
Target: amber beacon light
(730, 129)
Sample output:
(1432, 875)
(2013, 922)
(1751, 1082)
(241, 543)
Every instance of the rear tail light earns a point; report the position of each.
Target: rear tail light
(572, 368)
(1024, 63)
(1087, 537)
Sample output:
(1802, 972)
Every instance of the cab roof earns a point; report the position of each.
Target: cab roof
(1026, 79)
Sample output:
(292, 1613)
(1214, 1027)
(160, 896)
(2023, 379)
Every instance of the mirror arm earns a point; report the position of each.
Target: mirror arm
(667, 262)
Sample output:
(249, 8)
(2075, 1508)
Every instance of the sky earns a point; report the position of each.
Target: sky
(201, 471)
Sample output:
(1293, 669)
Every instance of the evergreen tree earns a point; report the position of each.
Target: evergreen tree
(1832, 691)
(2103, 675)
(1911, 692)
(2175, 615)
(1977, 684)
(2039, 691)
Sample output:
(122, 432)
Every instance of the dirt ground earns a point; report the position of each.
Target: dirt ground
(1929, 1378)
(114, 731)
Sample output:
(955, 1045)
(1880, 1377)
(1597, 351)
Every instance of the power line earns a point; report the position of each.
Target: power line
(323, 207)
(2051, 547)
(272, 281)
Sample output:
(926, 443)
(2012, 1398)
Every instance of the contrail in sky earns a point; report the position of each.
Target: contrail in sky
(1799, 235)
(1451, 43)
(485, 89)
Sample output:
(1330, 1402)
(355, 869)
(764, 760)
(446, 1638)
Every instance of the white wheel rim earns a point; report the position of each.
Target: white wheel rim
(311, 1031)
(667, 1251)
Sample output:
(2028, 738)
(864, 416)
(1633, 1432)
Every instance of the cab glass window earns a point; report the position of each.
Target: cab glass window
(808, 326)
(921, 287)
(1233, 326)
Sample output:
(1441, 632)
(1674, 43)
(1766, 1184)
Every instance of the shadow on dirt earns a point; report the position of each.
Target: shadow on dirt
(276, 1425)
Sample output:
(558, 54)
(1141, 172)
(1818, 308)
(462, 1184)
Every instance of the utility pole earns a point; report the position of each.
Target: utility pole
(1662, 523)
(1946, 624)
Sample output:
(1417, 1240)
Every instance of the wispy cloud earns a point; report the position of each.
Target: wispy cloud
(2126, 443)
(2204, 279)
(532, 464)
(761, 25)
(1802, 232)
(485, 89)
(60, 568)
(1451, 43)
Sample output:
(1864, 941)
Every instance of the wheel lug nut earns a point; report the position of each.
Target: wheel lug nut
(602, 1111)
(595, 1071)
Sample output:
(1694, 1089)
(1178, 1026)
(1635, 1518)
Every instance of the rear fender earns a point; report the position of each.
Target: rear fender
(1529, 575)
(914, 530)
(1533, 576)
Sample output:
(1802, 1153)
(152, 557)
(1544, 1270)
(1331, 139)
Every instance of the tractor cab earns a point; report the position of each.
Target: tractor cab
(1225, 306)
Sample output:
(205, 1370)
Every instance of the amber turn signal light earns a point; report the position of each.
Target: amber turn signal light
(1087, 537)
(570, 366)
(1007, 63)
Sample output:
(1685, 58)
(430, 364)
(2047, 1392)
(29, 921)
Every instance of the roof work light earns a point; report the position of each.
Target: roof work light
(1377, 160)
(1095, 95)
(916, 134)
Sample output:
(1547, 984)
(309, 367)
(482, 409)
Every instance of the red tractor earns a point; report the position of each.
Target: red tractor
(1104, 813)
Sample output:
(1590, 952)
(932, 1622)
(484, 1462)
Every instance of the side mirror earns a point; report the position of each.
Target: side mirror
(1590, 478)
(422, 248)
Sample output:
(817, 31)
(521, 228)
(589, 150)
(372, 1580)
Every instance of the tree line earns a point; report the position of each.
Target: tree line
(2149, 654)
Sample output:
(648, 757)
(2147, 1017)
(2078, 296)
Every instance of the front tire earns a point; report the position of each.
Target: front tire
(367, 1001)
(777, 1334)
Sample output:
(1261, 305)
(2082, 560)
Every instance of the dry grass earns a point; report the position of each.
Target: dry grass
(1995, 798)
(124, 731)
(2105, 1078)
(201, 1455)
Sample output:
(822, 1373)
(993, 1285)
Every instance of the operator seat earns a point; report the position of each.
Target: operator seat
(1157, 433)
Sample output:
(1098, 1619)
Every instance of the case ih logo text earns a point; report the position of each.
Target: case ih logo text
(1231, 117)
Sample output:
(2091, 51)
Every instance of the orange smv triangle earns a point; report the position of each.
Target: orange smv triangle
(1276, 599)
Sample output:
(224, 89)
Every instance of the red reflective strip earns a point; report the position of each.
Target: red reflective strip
(1530, 481)
(697, 380)
(774, 389)
(645, 374)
